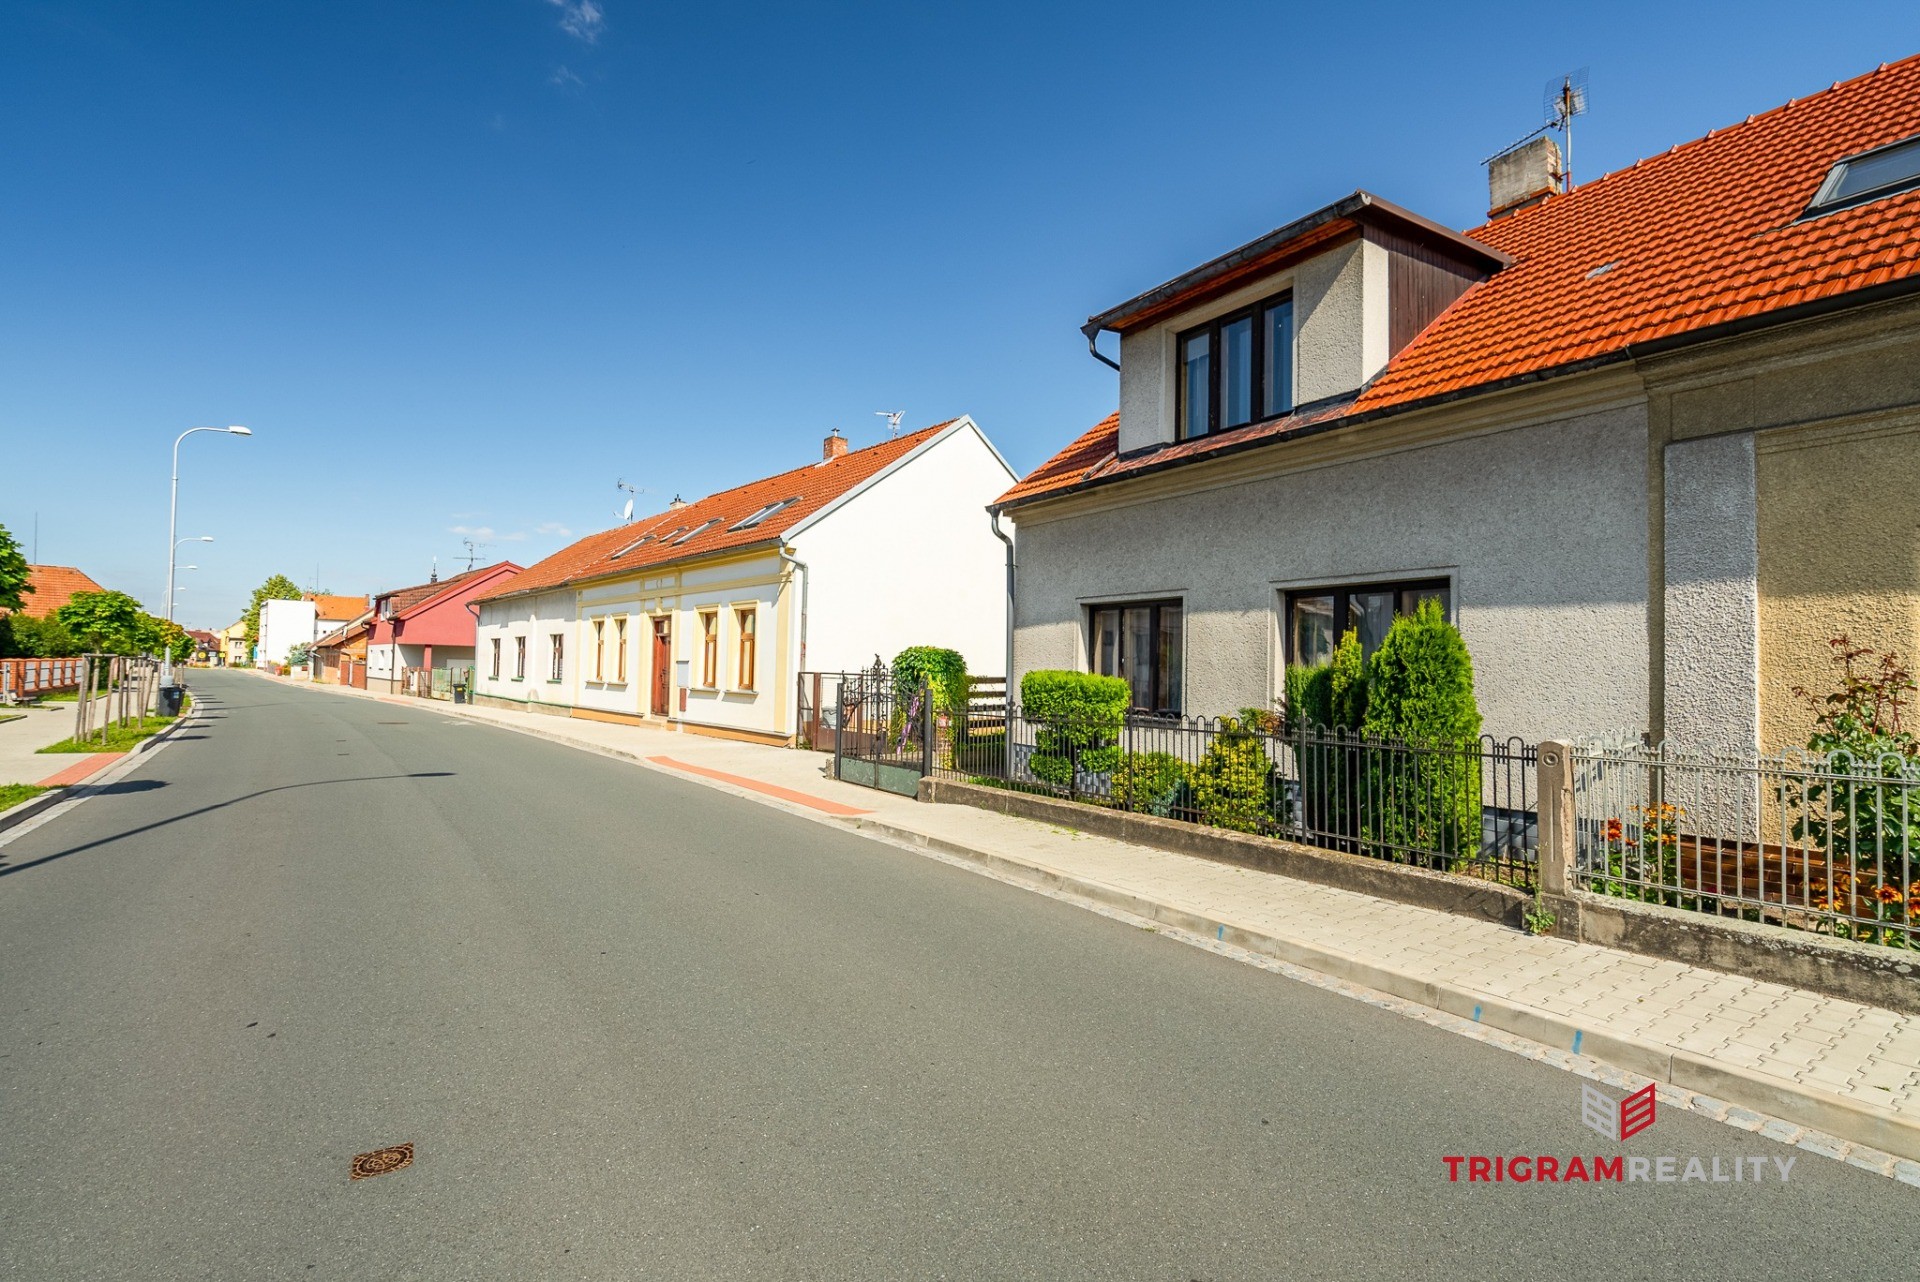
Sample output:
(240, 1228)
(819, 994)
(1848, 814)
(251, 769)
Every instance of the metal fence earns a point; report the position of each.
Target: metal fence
(1824, 843)
(1466, 807)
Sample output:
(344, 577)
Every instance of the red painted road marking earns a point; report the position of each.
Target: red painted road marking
(770, 789)
(82, 770)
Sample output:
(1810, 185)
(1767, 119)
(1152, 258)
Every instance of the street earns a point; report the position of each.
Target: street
(636, 1027)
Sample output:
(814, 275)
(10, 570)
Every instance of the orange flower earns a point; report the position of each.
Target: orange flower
(1888, 894)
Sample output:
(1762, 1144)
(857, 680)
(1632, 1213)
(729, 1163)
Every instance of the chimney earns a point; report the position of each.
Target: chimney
(677, 504)
(835, 446)
(1523, 176)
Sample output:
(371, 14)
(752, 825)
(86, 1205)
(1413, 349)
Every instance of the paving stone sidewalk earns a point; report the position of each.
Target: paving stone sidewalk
(1784, 1046)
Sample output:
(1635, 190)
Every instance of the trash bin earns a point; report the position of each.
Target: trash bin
(170, 699)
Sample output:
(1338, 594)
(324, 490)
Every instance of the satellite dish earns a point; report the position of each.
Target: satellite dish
(626, 510)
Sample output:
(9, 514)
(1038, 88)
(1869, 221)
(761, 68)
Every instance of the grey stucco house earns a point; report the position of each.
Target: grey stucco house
(1651, 441)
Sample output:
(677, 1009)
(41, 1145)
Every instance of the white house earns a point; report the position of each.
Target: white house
(702, 617)
(284, 625)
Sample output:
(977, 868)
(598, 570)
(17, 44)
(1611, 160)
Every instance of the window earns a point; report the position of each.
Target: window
(493, 666)
(747, 619)
(709, 648)
(765, 512)
(519, 658)
(620, 648)
(1318, 617)
(1237, 369)
(599, 649)
(696, 530)
(559, 653)
(1885, 171)
(630, 547)
(1143, 644)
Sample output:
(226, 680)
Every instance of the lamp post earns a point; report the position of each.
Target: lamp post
(173, 531)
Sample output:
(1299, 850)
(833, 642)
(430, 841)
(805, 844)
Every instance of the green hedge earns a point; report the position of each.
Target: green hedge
(1233, 786)
(1079, 716)
(1150, 783)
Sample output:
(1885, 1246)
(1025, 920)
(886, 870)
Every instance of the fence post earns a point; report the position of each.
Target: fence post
(929, 727)
(1554, 779)
(839, 723)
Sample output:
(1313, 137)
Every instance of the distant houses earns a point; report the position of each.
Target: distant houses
(703, 616)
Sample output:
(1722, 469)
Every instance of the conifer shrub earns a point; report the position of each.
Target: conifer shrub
(1151, 783)
(1233, 786)
(1420, 692)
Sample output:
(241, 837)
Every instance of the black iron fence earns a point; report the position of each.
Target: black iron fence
(1460, 806)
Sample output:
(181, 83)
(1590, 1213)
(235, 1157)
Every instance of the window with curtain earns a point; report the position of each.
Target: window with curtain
(709, 648)
(1318, 617)
(747, 620)
(1142, 643)
(620, 648)
(599, 649)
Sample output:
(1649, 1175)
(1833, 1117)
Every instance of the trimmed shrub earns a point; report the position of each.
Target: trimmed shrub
(1079, 716)
(1149, 783)
(1420, 691)
(944, 671)
(1233, 784)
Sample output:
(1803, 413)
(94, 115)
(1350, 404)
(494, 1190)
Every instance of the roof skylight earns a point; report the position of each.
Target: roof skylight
(695, 530)
(1871, 175)
(630, 547)
(764, 513)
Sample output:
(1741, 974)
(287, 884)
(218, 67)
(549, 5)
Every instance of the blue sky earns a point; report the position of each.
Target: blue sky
(463, 265)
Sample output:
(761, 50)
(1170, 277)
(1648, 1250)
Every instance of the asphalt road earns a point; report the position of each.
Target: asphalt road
(639, 1028)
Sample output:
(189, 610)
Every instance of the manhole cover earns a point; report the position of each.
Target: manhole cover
(382, 1160)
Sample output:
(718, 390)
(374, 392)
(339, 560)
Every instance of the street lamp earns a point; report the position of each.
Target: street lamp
(173, 532)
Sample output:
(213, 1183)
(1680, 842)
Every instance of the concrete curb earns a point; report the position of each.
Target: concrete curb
(1779, 1097)
(34, 805)
(67, 792)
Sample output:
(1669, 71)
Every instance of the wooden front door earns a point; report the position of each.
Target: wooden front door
(662, 665)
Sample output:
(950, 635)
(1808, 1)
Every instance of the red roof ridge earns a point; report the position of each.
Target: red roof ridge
(715, 519)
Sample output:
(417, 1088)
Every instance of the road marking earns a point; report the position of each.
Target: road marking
(769, 789)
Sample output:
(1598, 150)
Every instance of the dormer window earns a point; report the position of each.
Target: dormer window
(1236, 369)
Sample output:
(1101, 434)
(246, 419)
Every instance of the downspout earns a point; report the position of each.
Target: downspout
(1092, 332)
(998, 533)
(801, 566)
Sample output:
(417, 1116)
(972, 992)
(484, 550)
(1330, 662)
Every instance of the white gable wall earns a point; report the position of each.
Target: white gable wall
(912, 560)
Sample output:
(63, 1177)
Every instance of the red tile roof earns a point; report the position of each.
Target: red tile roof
(337, 609)
(664, 537)
(1706, 234)
(53, 586)
(400, 600)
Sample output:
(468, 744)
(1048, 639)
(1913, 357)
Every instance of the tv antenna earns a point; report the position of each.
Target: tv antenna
(473, 551)
(626, 509)
(1565, 98)
(893, 418)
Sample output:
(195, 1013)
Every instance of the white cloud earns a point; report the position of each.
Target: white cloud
(554, 528)
(478, 533)
(581, 19)
(564, 76)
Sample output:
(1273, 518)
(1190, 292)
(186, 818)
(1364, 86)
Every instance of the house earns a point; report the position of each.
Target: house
(703, 616)
(206, 647)
(1651, 442)
(331, 612)
(340, 656)
(233, 644)
(284, 625)
(52, 587)
(428, 628)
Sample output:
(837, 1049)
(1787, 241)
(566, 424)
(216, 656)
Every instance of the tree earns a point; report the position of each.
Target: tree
(277, 588)
(22, 636)
(14, 587)
(108, 622)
